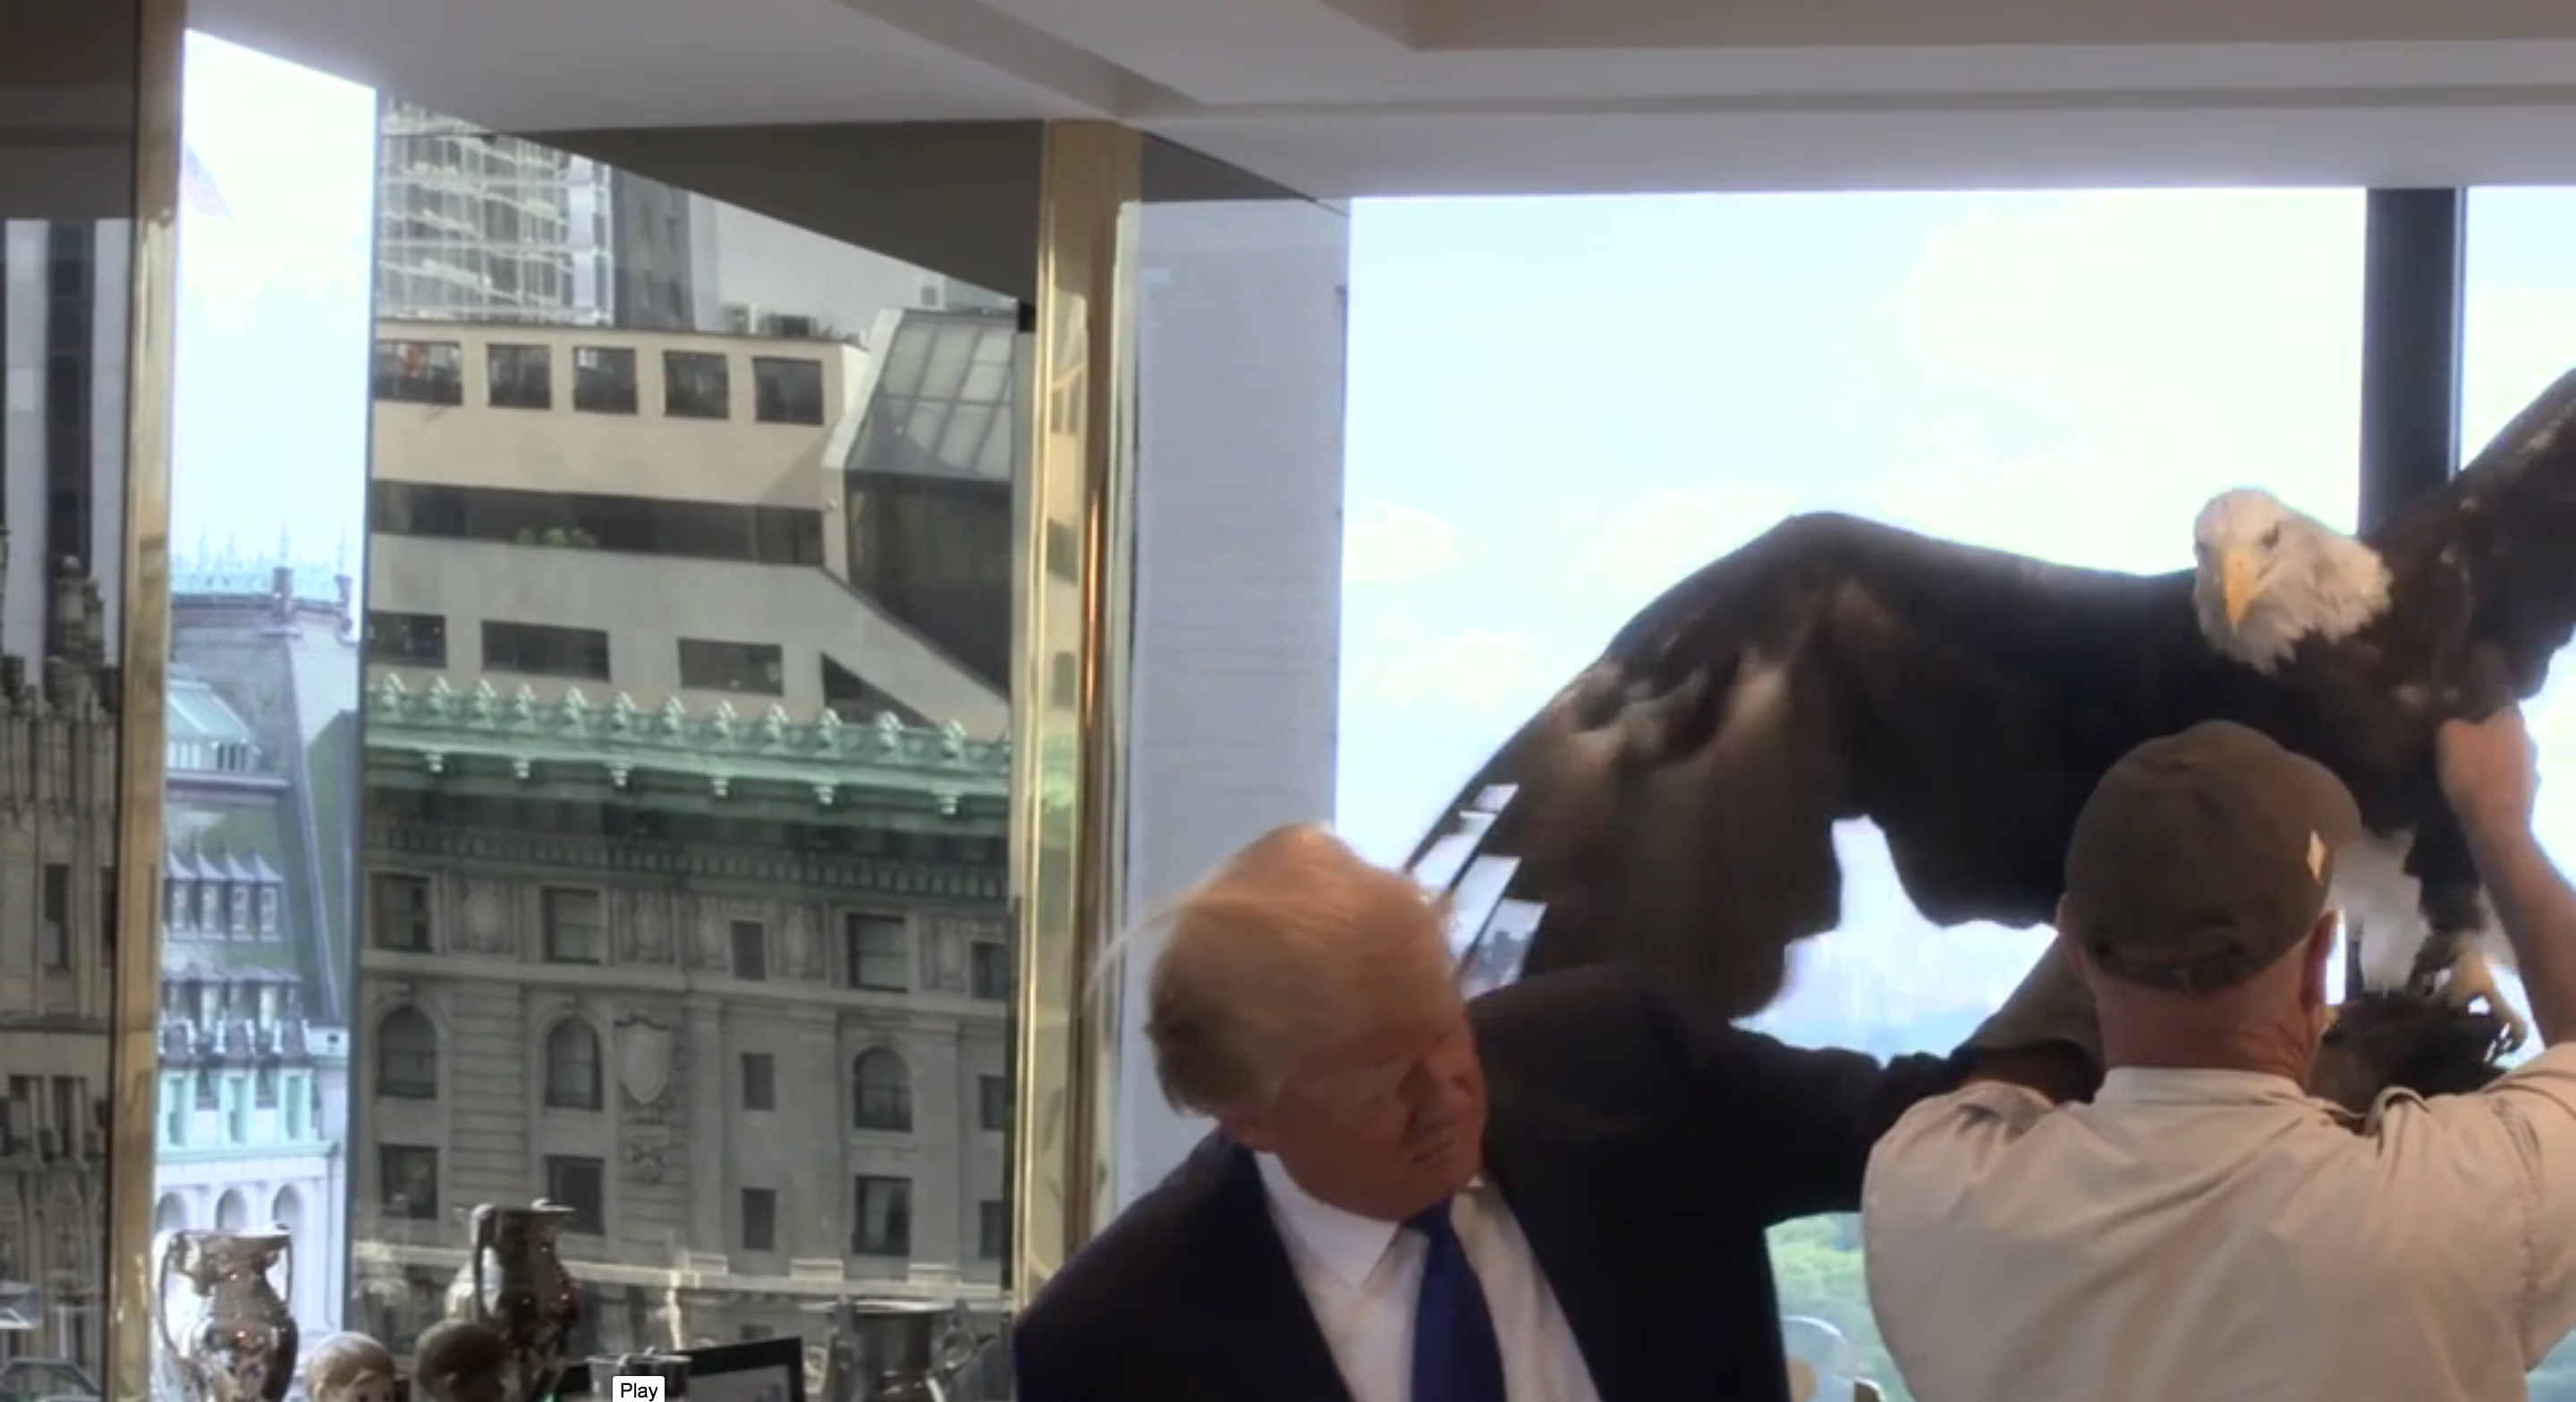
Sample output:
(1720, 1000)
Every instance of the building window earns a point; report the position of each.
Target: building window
(576, 931)
(759, 1081)
(881, 1092)
(880, 950)
(750, 949)
(992, 1229)
(753, 669)
(401, 912)
(544, 650)
(409, 1186)
(786, 391)
(993, 1102)
(407, 1056)
(572, 1066)
(603, 380)
(54, 930)
(522, 377)
(884, 1217)
(406, 639)
(420, 372)
(990, 972)
(696, 385)
(760, 1219)
(582, 1185)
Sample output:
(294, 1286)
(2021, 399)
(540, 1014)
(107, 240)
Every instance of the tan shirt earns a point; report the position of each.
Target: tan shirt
(2218, 1236)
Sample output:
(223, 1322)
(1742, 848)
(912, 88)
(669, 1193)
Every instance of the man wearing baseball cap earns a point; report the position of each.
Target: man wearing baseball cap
(2204, 1229)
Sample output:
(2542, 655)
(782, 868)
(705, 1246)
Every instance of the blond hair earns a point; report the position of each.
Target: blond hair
(1294, 942)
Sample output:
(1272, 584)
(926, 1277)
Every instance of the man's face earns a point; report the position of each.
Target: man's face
(1384, 1124)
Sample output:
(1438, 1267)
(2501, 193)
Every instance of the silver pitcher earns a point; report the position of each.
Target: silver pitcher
(241, 1348)
(523, 1293)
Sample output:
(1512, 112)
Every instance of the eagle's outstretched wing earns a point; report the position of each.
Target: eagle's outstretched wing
(1676, 801)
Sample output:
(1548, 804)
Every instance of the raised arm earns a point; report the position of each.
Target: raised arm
(1795, 1125)
(2488, 776)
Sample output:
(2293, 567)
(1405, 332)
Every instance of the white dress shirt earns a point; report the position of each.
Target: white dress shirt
(1361, 1275)
(2221, 1237)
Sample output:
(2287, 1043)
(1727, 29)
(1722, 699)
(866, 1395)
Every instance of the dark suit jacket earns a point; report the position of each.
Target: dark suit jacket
(1643, 1152)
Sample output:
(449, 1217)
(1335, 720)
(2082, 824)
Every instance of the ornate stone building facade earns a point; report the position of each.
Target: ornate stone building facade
(732, 987)
(58, 804)
(257, 919)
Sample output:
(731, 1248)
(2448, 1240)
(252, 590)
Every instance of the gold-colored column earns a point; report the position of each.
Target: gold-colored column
(134, 1050)
(1068, 825)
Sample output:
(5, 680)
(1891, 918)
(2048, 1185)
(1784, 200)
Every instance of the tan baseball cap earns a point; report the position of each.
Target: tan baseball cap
(2205, 856)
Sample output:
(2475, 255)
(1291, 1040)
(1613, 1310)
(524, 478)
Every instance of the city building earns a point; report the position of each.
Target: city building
(476, 226)
(733, 988)
(693, 489)
(257, 923)
(685, 818)
(64, 300)
(58, 805)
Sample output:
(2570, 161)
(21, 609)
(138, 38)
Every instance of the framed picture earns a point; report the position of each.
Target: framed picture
(760, 1370)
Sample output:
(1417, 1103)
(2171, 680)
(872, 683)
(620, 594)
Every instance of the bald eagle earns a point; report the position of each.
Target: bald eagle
(1676, 801)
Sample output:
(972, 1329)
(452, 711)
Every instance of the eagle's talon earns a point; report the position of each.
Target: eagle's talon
(2472, 981)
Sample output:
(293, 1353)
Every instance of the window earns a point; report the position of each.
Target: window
(753, 669)
(544, 650)
(880, 950)
(759, 1081)
(786, 391)
(700, 530)
(522, 377)
(750, 949)
(420, 372)
(582, 1185)
(572, 1066)
(576, 932)
(603, 380)
(989, 971)
(406, 1056)
(884, 1217)
(881, 1092)
(401, 912)
(993, 1102)
(2019, 333)
(696, 385)
(408, 1185)
(759, 1219)
(54, 928)
(406, 639)
(992, 1230)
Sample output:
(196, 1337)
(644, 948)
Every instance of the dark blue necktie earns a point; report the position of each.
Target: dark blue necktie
(1455, 1358)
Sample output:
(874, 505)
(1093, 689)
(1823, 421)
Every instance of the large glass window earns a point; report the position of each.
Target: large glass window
(2065, 375)
(537, 711)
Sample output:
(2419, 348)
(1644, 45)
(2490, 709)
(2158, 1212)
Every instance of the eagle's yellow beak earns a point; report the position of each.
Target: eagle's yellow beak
(2237, 589)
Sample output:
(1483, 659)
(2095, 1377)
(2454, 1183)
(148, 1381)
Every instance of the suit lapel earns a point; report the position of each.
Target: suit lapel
(1552, 1179)
(1251, 1302)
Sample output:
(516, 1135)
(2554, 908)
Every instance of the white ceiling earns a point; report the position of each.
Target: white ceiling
(1375, 97)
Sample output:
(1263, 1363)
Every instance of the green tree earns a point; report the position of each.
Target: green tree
(1818, 1266)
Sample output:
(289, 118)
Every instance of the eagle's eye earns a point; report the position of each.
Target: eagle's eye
(2272, 538)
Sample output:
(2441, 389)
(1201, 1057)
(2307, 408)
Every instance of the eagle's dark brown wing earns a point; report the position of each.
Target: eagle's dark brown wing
(1676, 801)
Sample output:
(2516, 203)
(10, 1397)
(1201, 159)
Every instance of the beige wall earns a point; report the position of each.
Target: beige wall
(736, 461)
(646, 603)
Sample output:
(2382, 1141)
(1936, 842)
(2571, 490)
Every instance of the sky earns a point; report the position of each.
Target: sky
(273, 331)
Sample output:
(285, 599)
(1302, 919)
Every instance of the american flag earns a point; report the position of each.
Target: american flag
(197, 187)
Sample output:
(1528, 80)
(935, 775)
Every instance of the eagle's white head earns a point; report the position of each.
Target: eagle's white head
(2269, 575)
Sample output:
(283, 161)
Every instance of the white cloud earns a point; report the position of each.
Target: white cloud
(1386, 544)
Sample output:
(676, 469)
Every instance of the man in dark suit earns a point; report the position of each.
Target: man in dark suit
(1554, 1193)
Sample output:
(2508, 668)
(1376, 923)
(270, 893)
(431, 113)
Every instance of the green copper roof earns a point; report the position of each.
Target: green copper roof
(719, 745)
